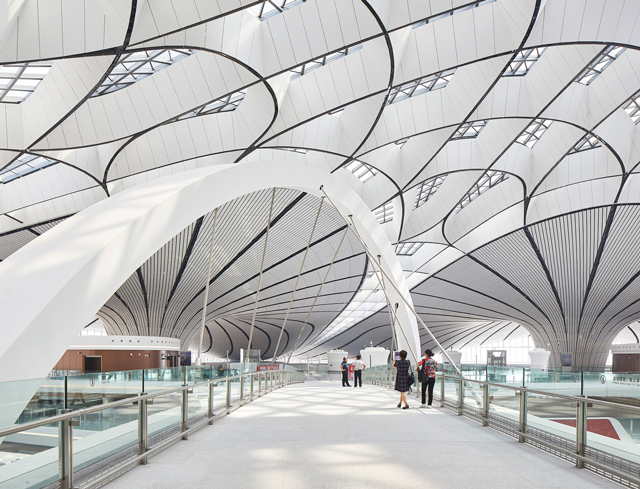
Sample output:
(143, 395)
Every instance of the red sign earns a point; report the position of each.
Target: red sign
(351, 370)
(268, 367)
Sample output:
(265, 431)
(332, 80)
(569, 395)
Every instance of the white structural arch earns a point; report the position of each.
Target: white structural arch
(51, 288)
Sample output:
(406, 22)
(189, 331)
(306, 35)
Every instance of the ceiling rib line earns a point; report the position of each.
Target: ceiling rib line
(206, 288)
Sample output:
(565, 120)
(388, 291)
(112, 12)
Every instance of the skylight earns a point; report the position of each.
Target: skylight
(18, 81)
(601, 63)
(490, 179)
(422, 85)
(297, 150)
(401, 142)
(632, 107)
(270, 8)
(469, 130)
(314, 64)
(337, 111)
(361, 170)
(524, 61)
(427, 188)
(23, 165)
(585, 144)
(133, 67)
(451, 12)
(223, 104)
(384, 213)
(407, 249)
(533, 132)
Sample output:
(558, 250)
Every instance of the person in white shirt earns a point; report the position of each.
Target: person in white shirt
(358, 367)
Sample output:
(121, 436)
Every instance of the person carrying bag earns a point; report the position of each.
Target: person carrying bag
(427, 376)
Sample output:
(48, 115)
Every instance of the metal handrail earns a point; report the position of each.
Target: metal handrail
(114, 404)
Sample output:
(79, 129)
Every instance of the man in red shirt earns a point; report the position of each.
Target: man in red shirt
(427, 375)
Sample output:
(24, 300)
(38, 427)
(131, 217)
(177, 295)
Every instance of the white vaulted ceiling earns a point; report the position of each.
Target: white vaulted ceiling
(497, 138)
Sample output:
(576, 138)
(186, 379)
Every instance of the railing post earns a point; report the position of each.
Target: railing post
(460, 396)
(523, 416)
(485, 405)
(251, 385)
(259, 383)
(210, 402)
(581, 430)
(142, 428)
(228, 399)
(241, 388)
(184, 411)
(65, 451)
(442, 380)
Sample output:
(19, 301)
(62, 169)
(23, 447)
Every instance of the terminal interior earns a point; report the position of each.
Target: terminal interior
(216, 216)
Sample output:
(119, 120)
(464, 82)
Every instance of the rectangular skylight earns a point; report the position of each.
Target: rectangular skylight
(270, 8)
(384, 213)
(469, 130)
(523, 62)
(632, 107)
(23, 165)
(585, 144)
(297, 150)
(407, 249)
(133, 67)
(314, 64)
(422, 85)
(223, 104)
(361, 170)
(533, 132)
(18, 81)
(401, 142)
(427, 188)
(601, 63)
(490, 179)
(449, 13)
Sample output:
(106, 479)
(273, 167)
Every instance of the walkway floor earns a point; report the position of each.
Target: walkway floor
(320, 435)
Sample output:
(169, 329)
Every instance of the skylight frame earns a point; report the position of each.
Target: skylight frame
(586, 143)
(361, 170)
(22, 79)
(427, 189)
(408, 249)
(23, 165)
(524, 61)
(601, 63)
(422, 85)
(449, 13)
(384, 213)
(632, 107)
(138, 65)
(227, 103)
(487, 181)
(469, 130)
(269, 8)
(314, 64)
(534, 131)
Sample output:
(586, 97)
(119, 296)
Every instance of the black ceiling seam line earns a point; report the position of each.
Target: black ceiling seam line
(114, 63)
(244, 250)
(104, 315)
(210, 339)
(135, 323)
(27, 228)
(508, 323)
(634, 334)
(115, 320)
(547, 273)
(453, 336)
(382, 326)
(259, 329)
(617, 294)
(183, 266)
(230, 352)
(514, 330)
(143, 288)
(280, 262)
(454, 311)
(536, 9)
(488, 327)
(236, 307)
(95, 319)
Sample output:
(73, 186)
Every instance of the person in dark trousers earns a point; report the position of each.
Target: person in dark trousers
(427, 375)
(402, 378)
(344, 366)
(358, 367)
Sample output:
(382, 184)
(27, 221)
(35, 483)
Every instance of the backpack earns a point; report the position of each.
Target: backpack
(422, 373)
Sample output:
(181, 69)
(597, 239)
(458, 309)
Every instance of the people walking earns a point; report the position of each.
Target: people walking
(358, 367)
(402, 378)
(427, 376)
(344, 366)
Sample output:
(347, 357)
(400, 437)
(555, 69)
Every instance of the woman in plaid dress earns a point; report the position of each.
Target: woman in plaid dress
(402, 378)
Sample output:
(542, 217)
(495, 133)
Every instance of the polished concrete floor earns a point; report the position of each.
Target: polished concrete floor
(320, 435)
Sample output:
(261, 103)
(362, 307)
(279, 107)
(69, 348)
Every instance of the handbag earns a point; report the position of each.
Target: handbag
(412, 378)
